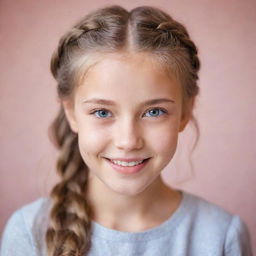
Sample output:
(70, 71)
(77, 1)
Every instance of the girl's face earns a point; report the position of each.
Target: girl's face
(126, 109)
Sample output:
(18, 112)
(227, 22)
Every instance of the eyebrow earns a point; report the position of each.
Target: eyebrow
(111, 103)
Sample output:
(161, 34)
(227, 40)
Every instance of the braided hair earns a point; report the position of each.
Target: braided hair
(111, 29)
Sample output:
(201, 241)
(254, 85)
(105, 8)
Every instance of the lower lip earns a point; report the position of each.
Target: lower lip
(128, 169)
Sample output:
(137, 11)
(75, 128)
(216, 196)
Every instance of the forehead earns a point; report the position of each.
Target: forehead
(124, 72)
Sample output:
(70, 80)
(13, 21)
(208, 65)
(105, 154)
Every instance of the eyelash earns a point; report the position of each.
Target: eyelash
(94, 112)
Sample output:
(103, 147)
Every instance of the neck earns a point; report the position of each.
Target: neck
(110, 208)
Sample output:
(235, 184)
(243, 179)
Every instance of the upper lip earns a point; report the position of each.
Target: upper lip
(128, 159)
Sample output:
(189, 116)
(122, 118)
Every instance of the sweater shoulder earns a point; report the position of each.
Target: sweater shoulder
(21, 228)
(218, 227)
(209, 214)
(28, 212)
(33, 210)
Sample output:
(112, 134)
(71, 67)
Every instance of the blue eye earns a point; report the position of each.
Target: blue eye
(155, 112)
(102, 113)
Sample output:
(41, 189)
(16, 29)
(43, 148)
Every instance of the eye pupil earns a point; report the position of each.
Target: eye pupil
(102, 113)
(154, 112)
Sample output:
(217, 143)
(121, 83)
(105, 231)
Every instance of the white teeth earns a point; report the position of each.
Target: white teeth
(126, 163)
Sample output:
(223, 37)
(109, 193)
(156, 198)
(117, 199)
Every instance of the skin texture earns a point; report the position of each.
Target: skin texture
(128, 129)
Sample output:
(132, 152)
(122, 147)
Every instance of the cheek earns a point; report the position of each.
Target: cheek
(166, 144)
(164, 139)
(92, 139)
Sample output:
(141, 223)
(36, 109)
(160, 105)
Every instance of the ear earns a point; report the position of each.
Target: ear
(68, 107)
(187, 114)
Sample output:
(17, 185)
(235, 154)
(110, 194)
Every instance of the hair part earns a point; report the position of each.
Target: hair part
(109, 30)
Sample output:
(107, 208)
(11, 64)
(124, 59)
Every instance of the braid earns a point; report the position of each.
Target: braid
(178, 32)
(67, 39)
(93, 29)
(156, 31)
(69, 230)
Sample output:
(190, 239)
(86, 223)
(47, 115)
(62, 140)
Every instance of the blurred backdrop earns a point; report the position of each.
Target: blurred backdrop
(225, 158)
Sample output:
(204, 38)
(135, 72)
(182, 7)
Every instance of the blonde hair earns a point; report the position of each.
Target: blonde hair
(108, 30)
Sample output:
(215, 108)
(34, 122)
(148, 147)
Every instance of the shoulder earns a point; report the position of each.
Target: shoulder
(213, 223)
(207, 212)
(31, 211)
(18, 230)
(25, 216)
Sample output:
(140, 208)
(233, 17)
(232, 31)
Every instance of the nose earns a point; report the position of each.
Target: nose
(128, 135)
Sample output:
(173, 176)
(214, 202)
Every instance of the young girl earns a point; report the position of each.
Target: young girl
(127, 83)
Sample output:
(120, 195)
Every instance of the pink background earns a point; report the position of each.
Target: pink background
(224, 161)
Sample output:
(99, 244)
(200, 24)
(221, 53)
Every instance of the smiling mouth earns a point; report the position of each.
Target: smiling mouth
(127, 163)
(128, 167)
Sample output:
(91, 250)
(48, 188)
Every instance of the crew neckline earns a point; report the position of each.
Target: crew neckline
(169, 224)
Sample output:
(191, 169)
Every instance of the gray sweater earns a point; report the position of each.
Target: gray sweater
(196, 228)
